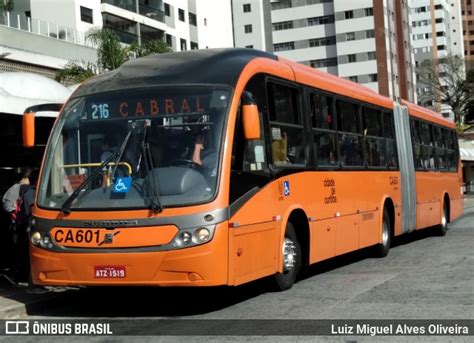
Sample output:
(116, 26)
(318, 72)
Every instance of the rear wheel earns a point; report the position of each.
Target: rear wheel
(291, 253)
(381, 249)
(442, 228)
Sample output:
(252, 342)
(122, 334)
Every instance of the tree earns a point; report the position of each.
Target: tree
(445, 82)
(75, 72)
(151, 47)
(111, 54)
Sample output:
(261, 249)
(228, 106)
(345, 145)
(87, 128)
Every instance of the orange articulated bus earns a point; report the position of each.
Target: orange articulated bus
(219, 167)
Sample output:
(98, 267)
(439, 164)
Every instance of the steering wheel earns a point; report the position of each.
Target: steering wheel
(186, 162)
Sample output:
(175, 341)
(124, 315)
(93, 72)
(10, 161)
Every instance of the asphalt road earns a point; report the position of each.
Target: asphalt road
(423, 277)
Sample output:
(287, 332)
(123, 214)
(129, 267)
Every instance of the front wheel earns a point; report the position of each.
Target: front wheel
(381, 249)
(291, 251)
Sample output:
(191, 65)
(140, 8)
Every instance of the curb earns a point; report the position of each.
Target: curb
(21, 309)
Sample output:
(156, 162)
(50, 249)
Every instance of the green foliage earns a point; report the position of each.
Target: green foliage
(152, 47)
(111, 54)
(460, 128)
(75, 72)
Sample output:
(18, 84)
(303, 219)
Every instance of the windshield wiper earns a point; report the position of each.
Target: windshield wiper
(114, 157)
(155, 204)
(67, 204)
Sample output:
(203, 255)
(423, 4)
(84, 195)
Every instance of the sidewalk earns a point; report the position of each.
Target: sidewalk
(15, 303)
(468, 201)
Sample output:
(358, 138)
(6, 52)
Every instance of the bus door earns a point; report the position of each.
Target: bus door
(253, 234)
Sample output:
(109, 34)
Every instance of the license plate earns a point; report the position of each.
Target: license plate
(109, 272)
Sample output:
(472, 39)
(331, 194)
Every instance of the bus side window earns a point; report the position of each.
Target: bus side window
(451, 149)
(375, 144)
(440, 161)
(286, 127)
(428, 150)
(390, 142)
(415, 131)
(324, 134)
(350, 137)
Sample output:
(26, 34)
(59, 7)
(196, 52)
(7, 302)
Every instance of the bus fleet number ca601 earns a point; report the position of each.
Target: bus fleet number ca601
(68, 236)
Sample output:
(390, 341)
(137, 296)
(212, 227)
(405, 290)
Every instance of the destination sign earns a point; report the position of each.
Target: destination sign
(105, 108)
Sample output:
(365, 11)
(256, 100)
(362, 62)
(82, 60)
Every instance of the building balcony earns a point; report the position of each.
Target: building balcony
(153, 9)
(151, 12)
(148, 33)
(43, 28)
(123, 4)
(125, 29)
(124, 36)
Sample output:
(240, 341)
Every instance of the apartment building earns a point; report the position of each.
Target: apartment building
(365, 41)
(252, 24)
(468, 32)
(41, 36)
(436, 33)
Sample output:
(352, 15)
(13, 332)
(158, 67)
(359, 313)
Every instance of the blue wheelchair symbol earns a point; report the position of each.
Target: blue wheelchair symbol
(286, 188)
(122, 185)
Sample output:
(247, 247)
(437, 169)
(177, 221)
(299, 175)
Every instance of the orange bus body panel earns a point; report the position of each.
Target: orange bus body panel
(337, 225)
(204, 265)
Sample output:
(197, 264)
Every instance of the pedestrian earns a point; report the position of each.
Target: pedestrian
(11, 203)
(27, 199)
(12, 196)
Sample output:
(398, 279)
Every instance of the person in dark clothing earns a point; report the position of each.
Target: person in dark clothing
(22, 250)
(27, 195)
(11, 203)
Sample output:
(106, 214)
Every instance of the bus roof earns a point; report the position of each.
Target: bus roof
(224, 67)
(334, 84)
(211, 66)
(426, 114)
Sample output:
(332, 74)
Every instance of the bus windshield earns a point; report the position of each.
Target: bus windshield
(132, 148)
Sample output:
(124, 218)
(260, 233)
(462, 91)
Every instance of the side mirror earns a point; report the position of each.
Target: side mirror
(250, 118)
(29, 121)
(29, 129)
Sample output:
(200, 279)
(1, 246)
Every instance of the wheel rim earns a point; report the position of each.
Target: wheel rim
(385, 233)
(289, 255)
(444, 220)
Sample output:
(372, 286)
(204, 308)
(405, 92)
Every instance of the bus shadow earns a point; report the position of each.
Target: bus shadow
(359, 255)
(146, 301)
(335, 263)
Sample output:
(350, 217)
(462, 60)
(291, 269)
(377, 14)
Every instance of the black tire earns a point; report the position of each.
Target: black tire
(381, 249)
(291, 263)
(442, 228)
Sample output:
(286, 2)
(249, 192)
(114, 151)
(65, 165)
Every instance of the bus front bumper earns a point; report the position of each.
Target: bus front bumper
(202, 265)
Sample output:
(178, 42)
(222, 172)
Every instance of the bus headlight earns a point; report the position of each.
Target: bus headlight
(202, 235)
(183, 239)
(46, 242)
(191, 237)
(43, 241)
(36, 238)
